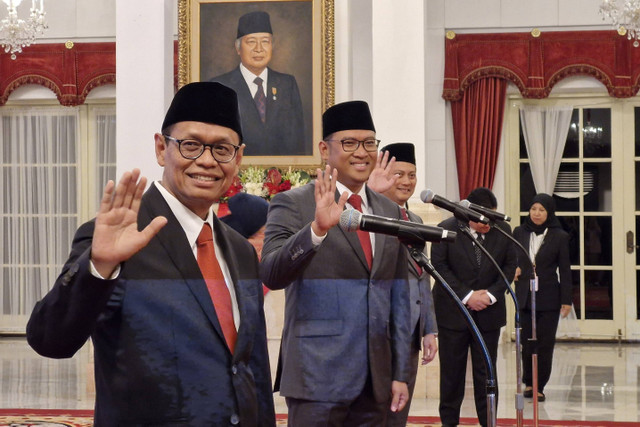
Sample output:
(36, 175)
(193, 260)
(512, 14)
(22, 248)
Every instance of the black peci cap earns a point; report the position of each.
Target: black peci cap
(254, 22)
(348, 115)
(207, 102)
(402, 151)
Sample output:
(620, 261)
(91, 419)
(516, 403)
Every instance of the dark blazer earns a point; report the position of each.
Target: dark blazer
(456, 262)
(552, 255)
(421, 299)
(342, 320)
(283, 132)
(160, 356)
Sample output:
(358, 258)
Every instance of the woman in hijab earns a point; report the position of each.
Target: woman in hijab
(548, 245)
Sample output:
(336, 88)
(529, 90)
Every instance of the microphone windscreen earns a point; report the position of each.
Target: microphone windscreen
(350, 220)
(427, 195)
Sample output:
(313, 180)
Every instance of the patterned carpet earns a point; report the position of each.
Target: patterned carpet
(84, 418)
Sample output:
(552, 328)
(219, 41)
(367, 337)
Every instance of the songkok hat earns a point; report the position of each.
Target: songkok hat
(248, 213)
(207, 102)
(484, 197)
(254, 22)
(350, 115)
(402, 151)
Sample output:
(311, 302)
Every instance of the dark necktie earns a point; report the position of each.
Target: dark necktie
(356, 201)
(476, 247)
(260, 99)
(218, 290)
(417, 266)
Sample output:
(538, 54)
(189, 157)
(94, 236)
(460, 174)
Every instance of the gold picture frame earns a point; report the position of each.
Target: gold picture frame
(206, 36)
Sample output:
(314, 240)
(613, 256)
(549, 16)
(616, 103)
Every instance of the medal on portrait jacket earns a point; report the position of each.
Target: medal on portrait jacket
(274, 92)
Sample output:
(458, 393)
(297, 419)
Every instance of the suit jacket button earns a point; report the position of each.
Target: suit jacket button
(418, 302)
(235, 419)
(234, 369)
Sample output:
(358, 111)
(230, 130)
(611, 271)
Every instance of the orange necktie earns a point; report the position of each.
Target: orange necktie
(365, 241)
(216, 285)
(406, 218)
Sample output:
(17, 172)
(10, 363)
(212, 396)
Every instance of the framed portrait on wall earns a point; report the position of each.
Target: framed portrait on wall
(278, 57)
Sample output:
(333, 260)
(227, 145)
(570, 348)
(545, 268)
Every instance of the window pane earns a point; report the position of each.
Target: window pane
(598, 294)
(571, 224)
(597, 187)
(596, 132)
(597, 240)
(575, 292)
(527, 189)
(567, 189)
(571, 148)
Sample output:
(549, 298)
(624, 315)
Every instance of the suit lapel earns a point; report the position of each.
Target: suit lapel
(245, 94)
(175, 243)
(467, 247)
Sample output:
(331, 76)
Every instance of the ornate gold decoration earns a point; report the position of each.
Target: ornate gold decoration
(451, 35)
(622, 30)
(535, 32)
(68, 44)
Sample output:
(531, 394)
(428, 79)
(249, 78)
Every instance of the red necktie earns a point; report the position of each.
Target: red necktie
(356, 201)
(406, 218)
(260, 99)
(216, 285)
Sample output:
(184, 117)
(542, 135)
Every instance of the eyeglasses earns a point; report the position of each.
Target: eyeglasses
(222, 152)
(351, 144)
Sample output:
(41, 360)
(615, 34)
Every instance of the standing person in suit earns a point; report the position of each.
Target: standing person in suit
(344, 357)
(480, 287)
(548, 246)
(270, 105)
(179, 332)
(423, 317)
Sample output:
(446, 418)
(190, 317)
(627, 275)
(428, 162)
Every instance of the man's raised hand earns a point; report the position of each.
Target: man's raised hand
(116, 237)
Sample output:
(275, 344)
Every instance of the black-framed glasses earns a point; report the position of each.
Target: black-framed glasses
(222, 152)
(351, 144)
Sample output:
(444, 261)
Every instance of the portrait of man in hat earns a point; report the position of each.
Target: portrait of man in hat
(271, 107)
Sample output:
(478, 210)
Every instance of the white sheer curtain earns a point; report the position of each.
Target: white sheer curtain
(105, 138)
(38, 206)
(545, 134)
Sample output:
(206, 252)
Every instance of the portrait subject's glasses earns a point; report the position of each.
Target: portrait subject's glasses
(222, 152)
(351, 144)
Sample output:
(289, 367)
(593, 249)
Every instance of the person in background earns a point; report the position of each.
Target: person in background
(344, 357)
(423, 317)
(169, 295)
(548, 246)
(479, 285)
(270, 104)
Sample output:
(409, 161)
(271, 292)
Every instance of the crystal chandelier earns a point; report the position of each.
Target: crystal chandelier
(16, 33)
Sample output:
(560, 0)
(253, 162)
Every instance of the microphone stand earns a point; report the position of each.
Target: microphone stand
(533, 340)
(414, 247)
(519, 399)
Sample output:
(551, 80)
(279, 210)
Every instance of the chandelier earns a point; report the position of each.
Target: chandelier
(16, 33)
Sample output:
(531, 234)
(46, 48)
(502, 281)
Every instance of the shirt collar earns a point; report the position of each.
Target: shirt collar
(189, 221)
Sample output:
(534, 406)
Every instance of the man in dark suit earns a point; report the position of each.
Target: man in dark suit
(270, 105)
(480, 287)
(179, 332)
(423, 317)
(344, 358)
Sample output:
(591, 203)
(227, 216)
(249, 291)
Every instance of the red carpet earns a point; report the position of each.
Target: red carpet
(84, 418)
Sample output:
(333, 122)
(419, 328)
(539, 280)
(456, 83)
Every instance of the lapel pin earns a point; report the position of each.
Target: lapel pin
(274, 92)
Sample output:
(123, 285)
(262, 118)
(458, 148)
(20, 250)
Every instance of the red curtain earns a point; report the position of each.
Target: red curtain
(477, 127)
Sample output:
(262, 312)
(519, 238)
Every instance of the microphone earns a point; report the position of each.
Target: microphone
(489, 213)
(353, 220)
(460, 212)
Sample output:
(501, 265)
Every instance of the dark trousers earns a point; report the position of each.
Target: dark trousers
(454, 348)
(546, 327)
(363, 411)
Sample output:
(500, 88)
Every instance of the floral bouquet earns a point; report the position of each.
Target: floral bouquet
(268, 182)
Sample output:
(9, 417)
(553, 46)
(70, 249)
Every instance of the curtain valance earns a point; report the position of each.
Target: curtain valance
(536, 64)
